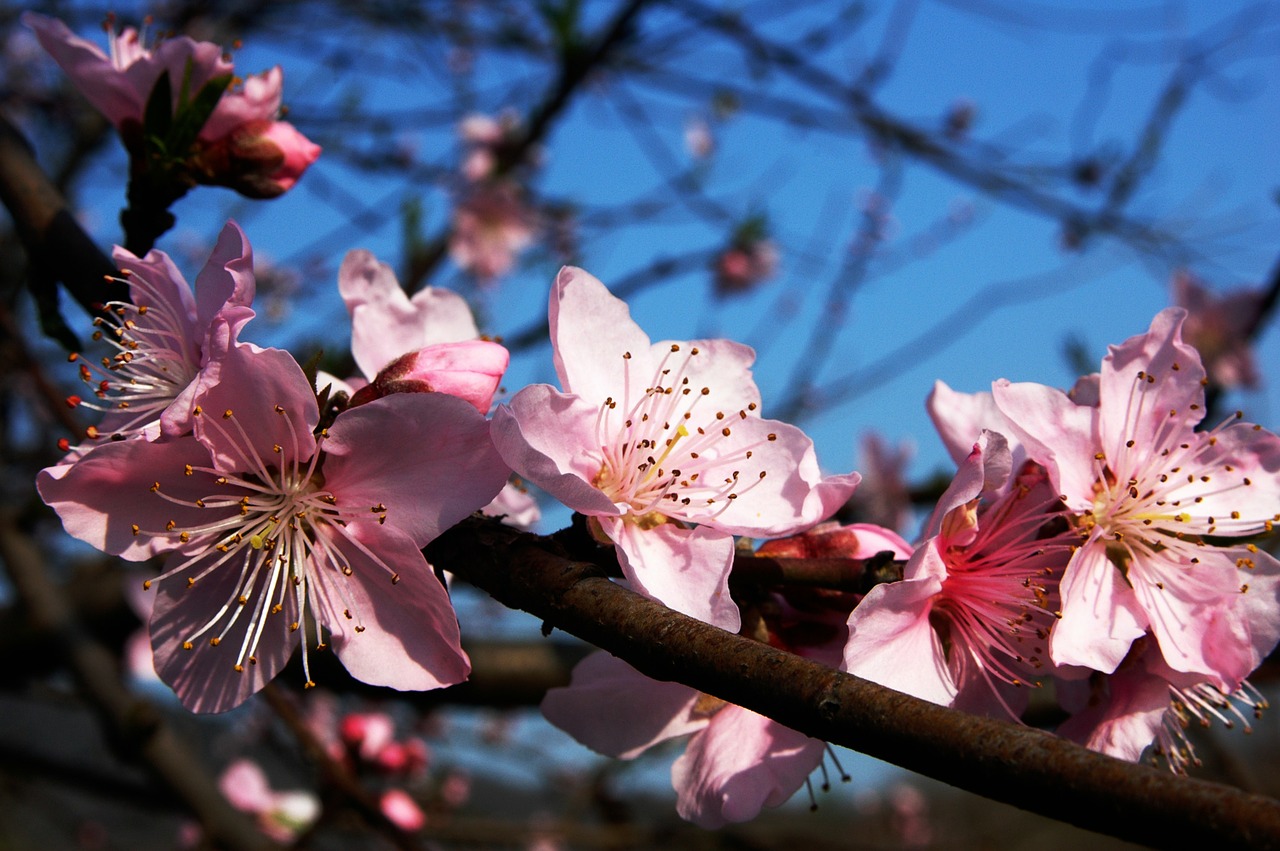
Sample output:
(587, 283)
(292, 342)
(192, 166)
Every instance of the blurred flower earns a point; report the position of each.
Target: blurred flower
(401, 810)
(483, 138)
(282, 816)
(750, 259)
(959, 119)
(661, 446)
(884, 497)
(491, 225)
(1218, 328)
(698, 140)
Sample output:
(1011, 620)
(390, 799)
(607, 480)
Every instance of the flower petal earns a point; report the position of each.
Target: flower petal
(1101, 617)
(409, 632)
(739, 764)
(227, 278)
(684, 569)
(205, 677)
(615, 710)
(590, 332)
(1056, 432)
(385, 323)
(427, 457)
(892, 643)
(549, 438)
(109, 490)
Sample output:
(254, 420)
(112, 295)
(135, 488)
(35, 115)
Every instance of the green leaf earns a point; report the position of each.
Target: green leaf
(192, 116)
(157, 118)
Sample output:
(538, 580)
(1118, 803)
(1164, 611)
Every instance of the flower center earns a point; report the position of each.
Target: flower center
(668, 455)
(274, 525)
(1000, 598)
(154, 362)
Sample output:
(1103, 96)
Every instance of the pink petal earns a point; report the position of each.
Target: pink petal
(227, 277)
(792, 495)
(101, 496)
(549, 438)
(257, 99)
(204, 677)
(245, 786)
(401, 810)
(426, 456)
(271, 401)
(1124, 723)
(684, 569)
(470, 370)
(892, 643)
(615, 710)
(590, 332)
(1138, 410)
(515, 506)
(410, 639)
(1101, 617)
(1057, 433)
(985, 469)
(297, 152)
(739, 764)
(385, 323)
(110, 92)
(961, 417)
(1196, 613)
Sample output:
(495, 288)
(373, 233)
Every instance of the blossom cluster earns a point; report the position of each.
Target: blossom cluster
(181, 112)
(1098, 542)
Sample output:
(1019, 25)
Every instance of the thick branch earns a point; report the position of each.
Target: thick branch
(54, 241)
(1002, 761)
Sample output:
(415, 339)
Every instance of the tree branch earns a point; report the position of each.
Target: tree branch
(54, 241)
(1006, 762)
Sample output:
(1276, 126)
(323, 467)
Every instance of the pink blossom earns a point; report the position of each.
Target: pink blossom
(972, 614)
(1146, 703)
(484, 137)
(1151, 496)
(663, 446)
(368, 733)
(118, 84)
(884, 497)
(277, 533)
(240, 144)
(161, 337)
(516, 506)
(743, 266)
(491, 225)
(280, 815)
(437, 327)
(698, 138)
(1218, 326)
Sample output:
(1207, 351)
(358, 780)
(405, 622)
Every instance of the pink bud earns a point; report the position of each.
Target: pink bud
(401, 810)
(469, 370)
